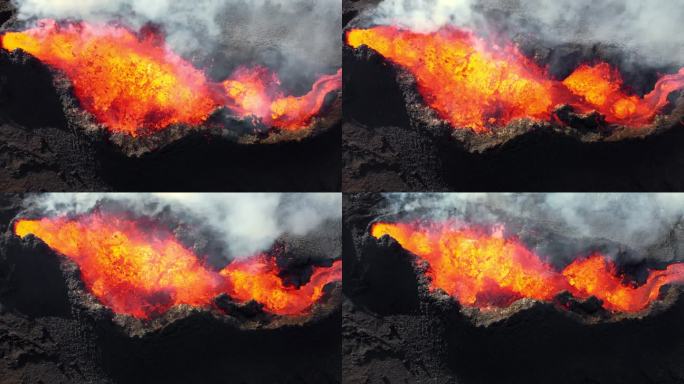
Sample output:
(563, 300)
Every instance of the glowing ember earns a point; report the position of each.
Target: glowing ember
(479, 85)
(140, 271)
(488, 270)
(134, 83)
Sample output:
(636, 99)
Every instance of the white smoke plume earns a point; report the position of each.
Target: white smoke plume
(639, 220)
(304, 35)
(248, 222)
(652, 29)
(424, 15)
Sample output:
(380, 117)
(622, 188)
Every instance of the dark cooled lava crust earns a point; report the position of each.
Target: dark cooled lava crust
(396, 331)
(393, 141)
(50, 144)
(53, 331)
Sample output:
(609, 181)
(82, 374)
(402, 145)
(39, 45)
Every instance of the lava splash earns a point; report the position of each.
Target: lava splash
(476, 84)
(487, 270)
(137, 268)
(133, 83)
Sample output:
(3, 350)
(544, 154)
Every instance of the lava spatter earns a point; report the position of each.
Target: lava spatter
(486, 270)
(138, 268)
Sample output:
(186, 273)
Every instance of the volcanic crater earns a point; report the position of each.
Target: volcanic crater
(69, 335)
(68, 146)
(391, 108)
(398, 327)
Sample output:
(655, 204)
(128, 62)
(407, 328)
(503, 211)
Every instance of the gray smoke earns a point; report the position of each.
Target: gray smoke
(248, 222)
(424, 15)
(290, 36)
(648, 28)
(639, 221)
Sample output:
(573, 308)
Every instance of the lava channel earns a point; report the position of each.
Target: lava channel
(479, 85)
(487, 270)
(137, 268)
(133, 83)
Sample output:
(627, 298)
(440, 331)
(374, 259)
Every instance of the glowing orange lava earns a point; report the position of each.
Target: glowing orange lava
(476, 84)
(487, 270)
(138, 269)
(133, 83)
(254, 92)
(257, 279)
(597, 276)
(125, 81)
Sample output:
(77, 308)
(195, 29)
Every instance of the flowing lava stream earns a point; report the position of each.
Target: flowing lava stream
(133, 83)
(137, 269)
(486, 270)
(476, 84)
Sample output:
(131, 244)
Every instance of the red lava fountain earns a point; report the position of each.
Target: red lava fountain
(139, 269)
(486, 270)
(477, 84)
(133, 83)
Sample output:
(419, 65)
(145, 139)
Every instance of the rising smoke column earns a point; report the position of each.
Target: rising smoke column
(640, 221)
(196, 29)
(625, 23)
(246, 223)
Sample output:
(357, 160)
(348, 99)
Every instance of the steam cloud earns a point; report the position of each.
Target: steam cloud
(249, 223)
(424, 15)
(651, 29)
(637, 220)
(291, 36)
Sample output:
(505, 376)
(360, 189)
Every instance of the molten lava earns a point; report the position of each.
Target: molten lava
(140, 270)
(487, 270)
(257, 279)
(126, 82)
(476, 84)
(133, 83)
(254, 92)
